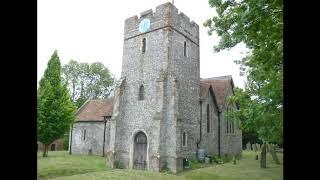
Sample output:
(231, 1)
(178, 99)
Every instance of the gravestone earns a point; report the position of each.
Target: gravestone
(274, 153)
(254, 147)
(258, 147)
(248, 146)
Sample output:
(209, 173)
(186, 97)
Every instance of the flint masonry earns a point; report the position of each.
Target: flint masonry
(162, 111)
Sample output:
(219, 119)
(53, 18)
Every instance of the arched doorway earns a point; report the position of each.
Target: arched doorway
(140, 151)
(53, 147)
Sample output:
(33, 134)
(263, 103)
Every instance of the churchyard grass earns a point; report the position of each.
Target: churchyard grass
(61, 165)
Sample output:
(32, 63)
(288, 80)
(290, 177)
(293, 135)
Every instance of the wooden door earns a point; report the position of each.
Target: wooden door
(140, 151)
(53, 147)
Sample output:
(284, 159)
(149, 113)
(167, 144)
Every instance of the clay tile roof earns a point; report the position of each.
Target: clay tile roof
(220, 86)
(94, 110)
(204, 88)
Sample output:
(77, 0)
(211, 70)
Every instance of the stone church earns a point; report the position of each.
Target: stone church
(161, 111)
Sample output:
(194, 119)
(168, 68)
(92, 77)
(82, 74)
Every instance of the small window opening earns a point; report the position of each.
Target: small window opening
(141, 93)
(185, 48)
(84, 134)
(227, 120)
(208, 119)
(184, 139)
(143, 45)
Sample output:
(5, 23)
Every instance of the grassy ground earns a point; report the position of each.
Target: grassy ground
(60, 165)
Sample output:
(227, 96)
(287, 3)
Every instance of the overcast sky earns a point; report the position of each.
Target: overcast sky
(92, 30)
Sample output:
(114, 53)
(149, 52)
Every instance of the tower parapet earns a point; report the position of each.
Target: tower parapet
(165, 16)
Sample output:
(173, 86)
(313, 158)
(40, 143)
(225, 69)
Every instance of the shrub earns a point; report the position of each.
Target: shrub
(216, 159)
(118, 165)
(239, 156)
(226, 158)
(66, 142)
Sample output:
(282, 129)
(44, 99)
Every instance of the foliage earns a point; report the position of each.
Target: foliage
(251, 137)
(196, 164)
(66, 141)
(55, 111)
(217, 159)
(259, 25)
(226, 158)
(255, 118)
(87, 81)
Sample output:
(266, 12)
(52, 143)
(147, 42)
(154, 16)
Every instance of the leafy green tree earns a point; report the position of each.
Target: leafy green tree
(250, 137)
(259, 25)
(55, 111)
(87, 81)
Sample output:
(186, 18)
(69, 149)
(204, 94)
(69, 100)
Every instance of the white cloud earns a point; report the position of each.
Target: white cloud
(92, 30)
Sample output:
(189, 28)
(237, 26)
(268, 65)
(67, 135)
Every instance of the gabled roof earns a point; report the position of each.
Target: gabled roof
(220, 86)
(205, 88)
(95, 110)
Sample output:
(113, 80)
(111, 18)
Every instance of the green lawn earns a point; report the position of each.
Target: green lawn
(61, 165)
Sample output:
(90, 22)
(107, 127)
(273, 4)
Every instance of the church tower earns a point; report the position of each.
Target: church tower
(156, 112)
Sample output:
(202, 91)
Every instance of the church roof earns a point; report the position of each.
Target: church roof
(95, 110)
(220, 86)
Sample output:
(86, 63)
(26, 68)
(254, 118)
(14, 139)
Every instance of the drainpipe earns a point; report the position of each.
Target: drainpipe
(70, 139)
(219, 148)
(200, 121)
(104, 135)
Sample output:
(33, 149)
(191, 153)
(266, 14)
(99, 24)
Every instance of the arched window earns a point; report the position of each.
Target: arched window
(208, 119)
(143, 45)
(232, 127)
(184, 139)
(84, 134)
(232, 122)
(185, 48)
(227, 121)
(141, 93)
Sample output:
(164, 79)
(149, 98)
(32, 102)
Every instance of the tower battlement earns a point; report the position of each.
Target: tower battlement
(165, 16)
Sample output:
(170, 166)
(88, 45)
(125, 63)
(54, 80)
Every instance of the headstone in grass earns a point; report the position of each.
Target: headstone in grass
(274, 154)
(254, 147)
(257, 157)
(263, 160)
(258, 147)
(248, 146)
(234, 160)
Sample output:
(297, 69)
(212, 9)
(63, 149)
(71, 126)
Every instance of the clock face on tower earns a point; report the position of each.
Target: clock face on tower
(144, 25)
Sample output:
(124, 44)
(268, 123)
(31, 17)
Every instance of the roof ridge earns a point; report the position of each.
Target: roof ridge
(95, 109)
(217, 77)
(82, 106)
